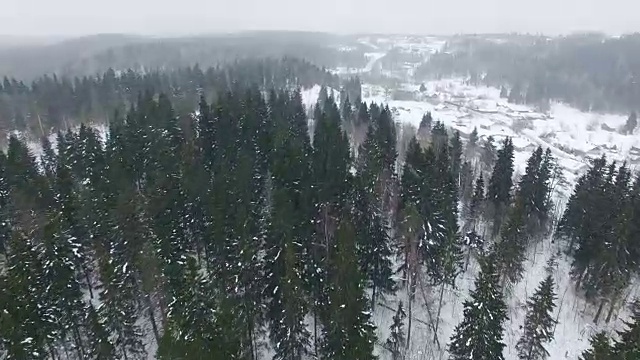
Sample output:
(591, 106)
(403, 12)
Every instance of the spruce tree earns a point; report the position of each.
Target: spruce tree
(600, 348)
(397, 338)
(479, 335)
(99, 346)
(628, 346)
(347, 333)
(455, 153)
(477, 201)
(488, 154)
(539, 323)
(500, 184)
(374, 244)
(27, 331)
(512, 246)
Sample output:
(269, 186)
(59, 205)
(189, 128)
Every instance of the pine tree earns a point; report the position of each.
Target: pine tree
(539, 323)
(500, 183)
(27, 331)
(5, 225)
(628, 347)
(477, 201)
(288, 303)
(374, 244)
(425, 123)
(632, 123)
(455, 153)
(479, 335)
(397, 338)
(348, 333)
(600, 348)
(488, 154)
(99, 346)
(511, 249)
(60, 253)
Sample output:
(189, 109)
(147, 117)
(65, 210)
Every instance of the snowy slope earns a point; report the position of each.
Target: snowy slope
(574, 137)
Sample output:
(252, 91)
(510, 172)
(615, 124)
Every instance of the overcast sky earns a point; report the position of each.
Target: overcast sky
(162, 17)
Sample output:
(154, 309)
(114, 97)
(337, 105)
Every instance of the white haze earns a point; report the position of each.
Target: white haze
(38, 18)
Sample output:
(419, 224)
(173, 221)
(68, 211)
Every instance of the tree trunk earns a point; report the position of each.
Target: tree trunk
(579, 279)
(595, 320)
(315, 332)
(251, 345)
(78, 340)
(410, 320)
(152, 317)
(466, 262)
(373, 297)
(439, 310)
(88, 279)
(611, 308)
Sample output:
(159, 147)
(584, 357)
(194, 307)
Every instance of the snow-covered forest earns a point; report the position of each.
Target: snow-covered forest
(273, 209)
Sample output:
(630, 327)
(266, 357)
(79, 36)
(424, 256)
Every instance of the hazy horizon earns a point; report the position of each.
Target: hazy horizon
(71, 18)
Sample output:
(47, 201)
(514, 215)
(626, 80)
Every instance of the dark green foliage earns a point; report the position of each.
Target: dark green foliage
(539, 323)
(347, 332)
(628, 345)
(477, 201)
(207, 229)
(501, 183)
(397, 338)
(58, 102)
(600, 224)
(427, 184)
(425, 123)
(512, 246)
(488, 153)
(26, 327)
(600, 348)
(455, 153)
(479, 335)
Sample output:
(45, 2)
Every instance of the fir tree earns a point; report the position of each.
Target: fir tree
(628, 347)
(632, 123)
(479, 335)
(477, 201)
(539, 323)
(500, 183)
(511, 249)
(99, 346)
(488, 154)
(600, 348)
(455, 153)
(397, 338)
(347, 333)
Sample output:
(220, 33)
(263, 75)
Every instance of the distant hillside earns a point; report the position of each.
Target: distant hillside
(96, 53)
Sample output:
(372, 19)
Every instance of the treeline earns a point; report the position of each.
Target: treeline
(52, 102)
(206, 233)
(201, 234)
(95, 54)
(590, 72)
(601, 224)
